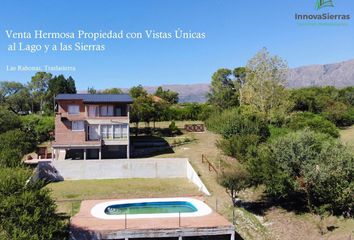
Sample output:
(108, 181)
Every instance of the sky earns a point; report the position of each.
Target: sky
(235, 31)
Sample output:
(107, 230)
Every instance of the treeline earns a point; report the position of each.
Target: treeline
(37, 96)
(163, 106)
(284, 139)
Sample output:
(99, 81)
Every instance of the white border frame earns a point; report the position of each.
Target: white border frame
(202, 209)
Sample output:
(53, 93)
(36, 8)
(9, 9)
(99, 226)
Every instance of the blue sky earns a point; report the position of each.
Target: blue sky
(235, 31)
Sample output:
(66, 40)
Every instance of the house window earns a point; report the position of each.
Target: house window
(77, 126)
(118, 111)
(93, 133)
(73, 109)
(105, 131)
(106, 111)
(120, 131)
(117, 131)
(93, 111)
(124, 130)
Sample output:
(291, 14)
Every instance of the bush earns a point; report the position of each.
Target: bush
(8, 120)
(40, 126)
(276, 132)
(173, 129)
(239, 146)
(234, 181)
(26, 209)
(316, 168)
(339, 114)
(14, 144)
(235, 122)
(314, 122)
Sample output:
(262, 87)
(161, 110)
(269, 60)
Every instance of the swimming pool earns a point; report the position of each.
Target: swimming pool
(150, 208)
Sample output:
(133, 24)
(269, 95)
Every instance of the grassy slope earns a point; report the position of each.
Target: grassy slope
(275, 223)
(347, 136)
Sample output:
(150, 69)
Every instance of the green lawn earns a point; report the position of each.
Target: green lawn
(68, 194)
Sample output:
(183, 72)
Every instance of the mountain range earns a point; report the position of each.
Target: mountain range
(336, 74)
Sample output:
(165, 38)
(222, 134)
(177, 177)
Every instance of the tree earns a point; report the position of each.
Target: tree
(59, 84)
(346, 95)
(14, 144)
(313, 167)
(223, 92)
(167, 95)
(137, 91)
(240, 80)
(239, 146)
(91, 90)
(235, 122)
(338, 113)
(8, 120)
(112, 91)
(39, 87)
(265, 84)
(314, 122)
(142, 110)
(8, 89)
(234, 181)
(308, 99)
(26, 209)
(40, 127)
(159, 110)
(15, 96)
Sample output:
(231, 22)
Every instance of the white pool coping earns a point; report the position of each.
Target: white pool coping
(202, 209)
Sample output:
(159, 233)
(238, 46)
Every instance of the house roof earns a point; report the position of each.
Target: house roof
(96, 98)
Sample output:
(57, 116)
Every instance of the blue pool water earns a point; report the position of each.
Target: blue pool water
(151, 208)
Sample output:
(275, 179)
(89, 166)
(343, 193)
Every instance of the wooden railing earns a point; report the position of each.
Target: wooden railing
(211, 167)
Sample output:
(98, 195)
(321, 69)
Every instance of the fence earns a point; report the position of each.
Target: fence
(194, 127)
(211, 167)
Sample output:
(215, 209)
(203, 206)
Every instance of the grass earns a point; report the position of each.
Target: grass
(347, 136)
(276, 223)
(165, 124)
(69, 194)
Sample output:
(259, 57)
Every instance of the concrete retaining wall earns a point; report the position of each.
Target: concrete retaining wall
(127, 168)
(193, 177)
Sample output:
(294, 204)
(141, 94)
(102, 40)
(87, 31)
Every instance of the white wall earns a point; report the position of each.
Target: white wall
(128, 168)
(193, 177)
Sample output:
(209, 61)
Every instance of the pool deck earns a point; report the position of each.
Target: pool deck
(86, 226)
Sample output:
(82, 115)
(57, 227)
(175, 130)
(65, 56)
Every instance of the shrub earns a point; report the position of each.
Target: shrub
(234, 181)
(8, 120)
(239, 146)
(39, 126)
(173, 129)
(310, 165)
(276, 132)
(235, 122)
(26, 209)
(14, 144)
(314, 122)
(339, 113)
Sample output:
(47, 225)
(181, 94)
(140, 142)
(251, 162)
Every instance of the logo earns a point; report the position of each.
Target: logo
(322, 18)
(324, 3)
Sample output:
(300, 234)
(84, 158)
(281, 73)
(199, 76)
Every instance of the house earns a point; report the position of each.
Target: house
(91, 126)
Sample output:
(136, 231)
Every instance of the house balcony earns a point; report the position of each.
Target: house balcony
(109, 133)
